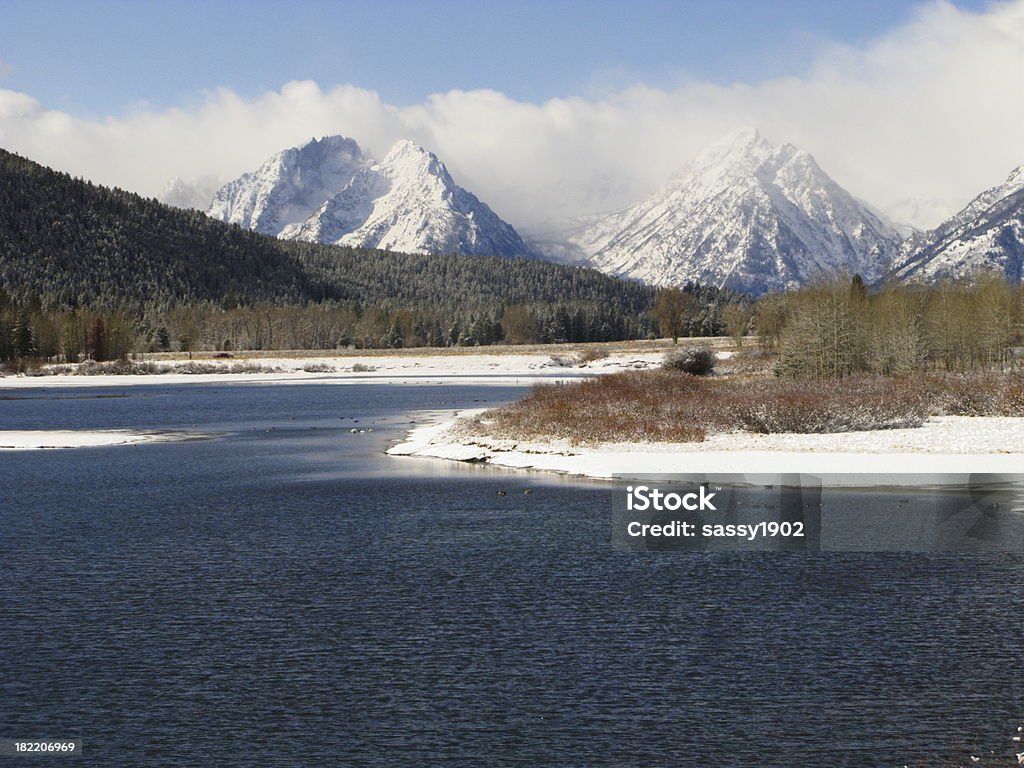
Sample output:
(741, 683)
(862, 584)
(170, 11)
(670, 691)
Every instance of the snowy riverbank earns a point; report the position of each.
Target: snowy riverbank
(498, 368)
(951, 445)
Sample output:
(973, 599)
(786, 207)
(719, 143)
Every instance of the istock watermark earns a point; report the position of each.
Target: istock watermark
(642, 498)
(811, 513)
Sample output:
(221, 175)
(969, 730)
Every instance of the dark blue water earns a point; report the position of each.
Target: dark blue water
(284, 595)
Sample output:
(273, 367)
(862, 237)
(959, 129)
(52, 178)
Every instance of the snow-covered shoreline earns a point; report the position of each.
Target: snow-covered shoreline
(40, 439)
(497, 369)
(504, 369)
(948, 446)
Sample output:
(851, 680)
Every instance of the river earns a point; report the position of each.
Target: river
(282, 593)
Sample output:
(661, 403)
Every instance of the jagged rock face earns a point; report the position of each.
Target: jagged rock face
(409, 202)
(289, 187)
(745, 215)
(986, 235)
(329, 192)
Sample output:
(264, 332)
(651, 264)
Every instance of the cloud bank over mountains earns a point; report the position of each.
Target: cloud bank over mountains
(927, 114)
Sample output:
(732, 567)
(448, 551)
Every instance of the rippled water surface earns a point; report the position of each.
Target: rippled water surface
(283, 594)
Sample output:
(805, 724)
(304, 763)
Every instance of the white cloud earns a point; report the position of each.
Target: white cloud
(931, 110)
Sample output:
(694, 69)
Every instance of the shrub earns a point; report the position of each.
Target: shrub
(29, 366)
(986, 394)
(1013, 397)
(58, 370)
(663, 406)
(363, 368)
(619, 407)
(318, 368)
(561, 361)
(117, 368)
(830, 410)
(696, 361)
(134, 368)
(590, 355)
(32, 366)
(233, 368)
(749, 362)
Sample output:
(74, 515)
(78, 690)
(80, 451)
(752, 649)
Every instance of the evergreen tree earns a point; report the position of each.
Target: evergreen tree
(163, 339)
(97, 340)
(23, 339)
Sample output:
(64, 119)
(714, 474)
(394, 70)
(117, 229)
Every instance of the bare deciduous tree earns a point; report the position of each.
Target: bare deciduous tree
(673, 309)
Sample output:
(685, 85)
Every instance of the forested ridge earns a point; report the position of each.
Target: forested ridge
(72, 251)
(73, 244)
(383, 276)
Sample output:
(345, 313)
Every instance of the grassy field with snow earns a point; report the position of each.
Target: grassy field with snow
(659, 405)
(393, 369)
(744, 419)
(463, 365)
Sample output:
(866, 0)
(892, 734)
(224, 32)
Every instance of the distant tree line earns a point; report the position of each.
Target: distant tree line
(694, 310)
(27, 330)
(841, 327)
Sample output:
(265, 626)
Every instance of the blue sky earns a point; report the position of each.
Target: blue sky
(909, 104)
(111, 56)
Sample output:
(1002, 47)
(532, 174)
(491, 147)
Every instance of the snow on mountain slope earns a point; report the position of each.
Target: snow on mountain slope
(745, 215)
(328, 191)
(289, 187)
(987, 234)
(409, 202)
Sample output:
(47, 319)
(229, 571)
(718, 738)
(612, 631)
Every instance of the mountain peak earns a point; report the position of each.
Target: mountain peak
(987, 234)
(409, 154)
(328, 191)
(334, 141)
(1016, 177)
(334, 153)
(404, 147)
(744, 150)
(745, 214)
(289, 186)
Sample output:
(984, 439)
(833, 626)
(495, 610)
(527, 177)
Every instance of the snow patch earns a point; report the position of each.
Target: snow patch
(38, 439)
(952, 445)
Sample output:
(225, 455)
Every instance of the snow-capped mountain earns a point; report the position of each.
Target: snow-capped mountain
(289, 187)
(745, 215)
(987, 234)
(328, 191)
(409, 202)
